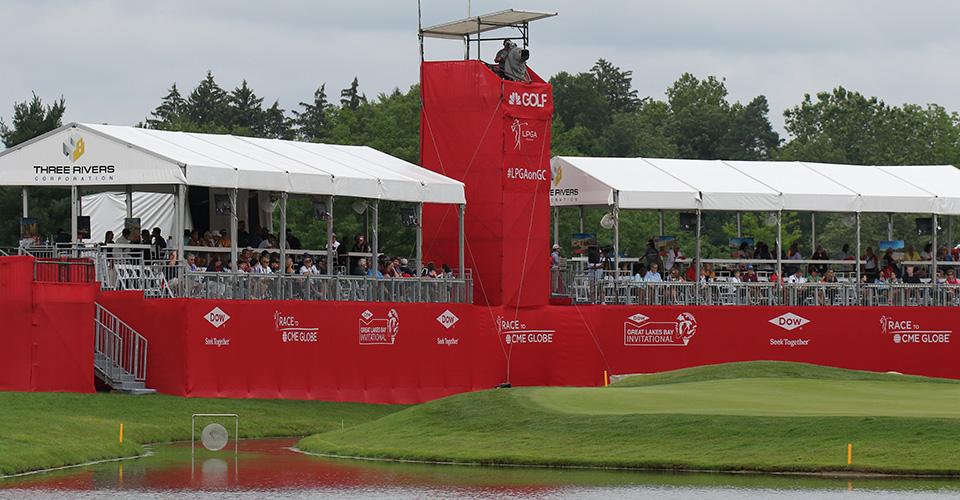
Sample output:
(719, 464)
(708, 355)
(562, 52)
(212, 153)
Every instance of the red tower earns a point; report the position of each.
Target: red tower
(494, 135)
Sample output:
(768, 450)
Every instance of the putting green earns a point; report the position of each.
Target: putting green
(761, 397)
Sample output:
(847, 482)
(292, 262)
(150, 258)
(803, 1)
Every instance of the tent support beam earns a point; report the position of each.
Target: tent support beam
(556, 225)
(74, 212)
(933, 272)
(813, 232)
(418, 256)
(660, 226)
(234, 265)
(698, 257)
(331, 253)
(890, 226)
(779, 248)
(857, 288)
(461, 258)
(582, 210)
(616, 233)
(179, 195)
(283, 232)
(374, 239)
(26, 201)
(739, 226)
(129, 199)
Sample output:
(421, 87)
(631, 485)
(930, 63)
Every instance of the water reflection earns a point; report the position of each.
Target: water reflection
(267, 469)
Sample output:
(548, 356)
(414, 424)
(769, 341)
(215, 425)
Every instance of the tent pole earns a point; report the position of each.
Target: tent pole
(779, 248)
(890, 226)
(234, 265)
(461, 259)
(698, 257)
(178, 223)
(419, 235)
(857, 260)
(556, 225)
(375, 239)
(949, 233)
(661, 226)
(739, 226)
(74, 212)
(581, 217)
(813, 232)
(616, 234)
(331, 254)
(26, 201)
(283, 233)
(129, 198)
(933, 273)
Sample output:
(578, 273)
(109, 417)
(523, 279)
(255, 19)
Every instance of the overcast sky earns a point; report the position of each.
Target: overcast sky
(114, 60)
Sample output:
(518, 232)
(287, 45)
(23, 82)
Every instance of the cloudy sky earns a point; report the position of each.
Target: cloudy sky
(114, 59)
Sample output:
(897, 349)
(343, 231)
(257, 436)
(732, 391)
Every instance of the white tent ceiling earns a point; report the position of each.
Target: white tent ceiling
(757, 185)
(116, 156)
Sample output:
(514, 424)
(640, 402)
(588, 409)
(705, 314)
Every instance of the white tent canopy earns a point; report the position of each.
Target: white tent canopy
(107, 212)
(104, 155)
(755, 185)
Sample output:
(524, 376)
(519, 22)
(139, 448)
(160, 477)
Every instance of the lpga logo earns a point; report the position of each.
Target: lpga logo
(520, 135)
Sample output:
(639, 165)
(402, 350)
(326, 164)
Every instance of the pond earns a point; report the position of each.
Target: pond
(268, 468)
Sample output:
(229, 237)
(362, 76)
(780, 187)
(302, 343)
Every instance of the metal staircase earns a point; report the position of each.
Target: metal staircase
(120, 354)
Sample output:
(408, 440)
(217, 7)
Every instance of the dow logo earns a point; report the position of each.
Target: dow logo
(217, 317)
(447, 319)
(789, 321)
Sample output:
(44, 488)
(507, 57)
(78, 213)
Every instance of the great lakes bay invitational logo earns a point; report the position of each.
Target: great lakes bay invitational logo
(379, 331)
(216, 317)
(638, 330)
(73, 147)
(910, 332)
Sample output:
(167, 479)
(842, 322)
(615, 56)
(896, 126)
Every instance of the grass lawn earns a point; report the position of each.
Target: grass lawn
(763, 416)
(43, 430)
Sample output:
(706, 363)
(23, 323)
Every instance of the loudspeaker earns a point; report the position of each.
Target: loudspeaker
(924, 225)
(593, 254)
(688, 222)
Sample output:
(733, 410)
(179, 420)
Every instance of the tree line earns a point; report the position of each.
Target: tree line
(597, 113)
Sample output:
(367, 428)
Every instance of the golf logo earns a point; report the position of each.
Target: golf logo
(638, 330)
(515, 331)
(910, 332)
(290, 329)
(789, 321)
(73, 147)
(521, 134)
(216, 317)
(379, 331)
(528, 99)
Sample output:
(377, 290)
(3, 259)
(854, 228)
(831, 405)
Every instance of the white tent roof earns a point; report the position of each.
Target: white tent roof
(592, 181)
(115, 155)
(755, 185)
(942, 180)
(879, 190)
(801, 188)
(484, 22)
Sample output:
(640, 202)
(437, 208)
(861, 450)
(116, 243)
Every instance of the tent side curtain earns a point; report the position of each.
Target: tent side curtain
(670, 184)
(106, 155)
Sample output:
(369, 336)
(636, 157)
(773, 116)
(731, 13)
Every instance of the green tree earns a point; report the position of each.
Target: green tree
(169, 112)
(750, 136)
(351, 97)
(275, 124)
(246, 110)
(313, 123)
(616, 86)
(699, 116)
(579, 103)
(208, 106)
(30, 119)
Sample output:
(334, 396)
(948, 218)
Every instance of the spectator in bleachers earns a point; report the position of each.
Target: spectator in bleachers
(829, 276)
(751, 275)
(675, 275)
(845, 253)
(943, 255)
(555, 256)
(308, 267)
(871, 265)
(243, 237)
(762, 251)
(819, 254)
(360, 269)
(293, 242)
(192, 263)
(909, 276)
(651, 255)
(797, 277)
(639, 271)
(263, 265)
(216, 265)
(673, 256)
(653, 274)
(691, 274)
(911, 254)
(447, 272)
(124, 238)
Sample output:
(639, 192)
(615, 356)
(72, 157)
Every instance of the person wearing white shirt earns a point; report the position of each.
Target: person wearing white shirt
(673, 255)
(652, 274)
(263, 265)
(308, 267)
(797, 277)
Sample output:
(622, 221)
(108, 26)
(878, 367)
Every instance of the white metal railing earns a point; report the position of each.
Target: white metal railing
(122, 352)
